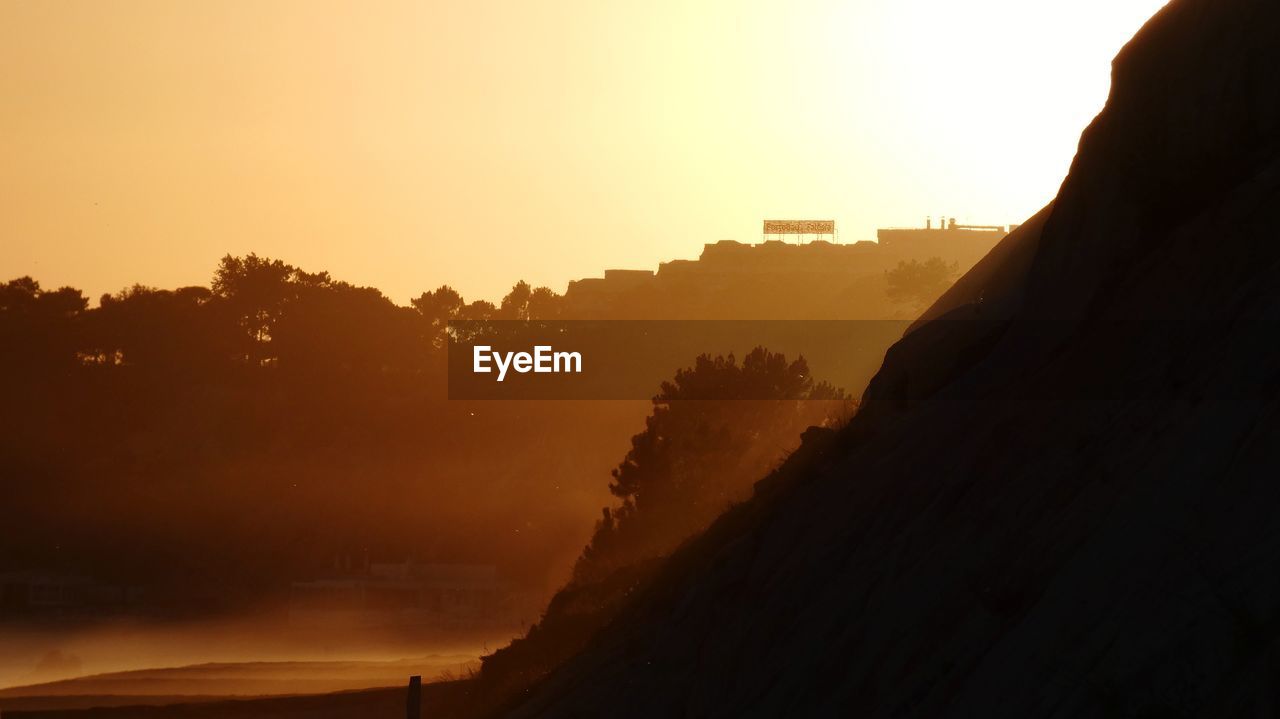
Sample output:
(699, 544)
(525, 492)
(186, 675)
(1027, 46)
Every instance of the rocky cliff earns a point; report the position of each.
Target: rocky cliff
(1060, 499)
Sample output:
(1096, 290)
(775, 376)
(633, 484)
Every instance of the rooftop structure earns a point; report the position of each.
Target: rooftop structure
(819, 258)
(948, 230)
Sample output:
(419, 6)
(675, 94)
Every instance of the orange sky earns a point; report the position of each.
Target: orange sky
(407, 144)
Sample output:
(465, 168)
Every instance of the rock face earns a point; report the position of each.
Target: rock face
(1060, 499)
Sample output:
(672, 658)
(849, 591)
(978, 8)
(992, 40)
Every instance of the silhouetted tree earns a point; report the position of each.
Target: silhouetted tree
(337, 328)
(256, 289)
(702, 449)
(37, 327)
(165, 331)
(515, 306)
(920, 283)
(479, 310)
(439, 306)
(544, 304)
(526, 303)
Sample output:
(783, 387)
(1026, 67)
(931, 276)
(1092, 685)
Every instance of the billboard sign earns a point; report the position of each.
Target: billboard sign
(799, 227)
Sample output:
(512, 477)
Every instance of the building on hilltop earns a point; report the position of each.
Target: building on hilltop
(596, 289)
(951, 241)
(818, 260)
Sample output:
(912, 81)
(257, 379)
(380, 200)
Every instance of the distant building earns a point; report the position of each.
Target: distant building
(595, 289)
(949, 240)
(820, 261)
(628, 278)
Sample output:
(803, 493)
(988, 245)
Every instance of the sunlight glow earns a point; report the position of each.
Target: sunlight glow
(405, 144)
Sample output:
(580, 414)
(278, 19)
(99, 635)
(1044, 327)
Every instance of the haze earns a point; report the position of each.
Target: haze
(476, 143)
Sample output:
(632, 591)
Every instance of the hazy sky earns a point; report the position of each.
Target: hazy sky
(405, 144)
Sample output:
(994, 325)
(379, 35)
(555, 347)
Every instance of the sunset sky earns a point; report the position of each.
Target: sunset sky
(405, 144)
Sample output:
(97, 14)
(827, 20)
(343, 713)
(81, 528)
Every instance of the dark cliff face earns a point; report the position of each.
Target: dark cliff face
(1061, 497)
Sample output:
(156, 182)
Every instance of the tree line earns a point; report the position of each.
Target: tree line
(255, 312)
(216, 441)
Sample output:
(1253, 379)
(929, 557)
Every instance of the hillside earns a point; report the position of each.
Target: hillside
(1059, 501)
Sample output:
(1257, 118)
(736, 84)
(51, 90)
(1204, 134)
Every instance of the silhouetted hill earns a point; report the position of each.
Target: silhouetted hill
(1060, 500)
